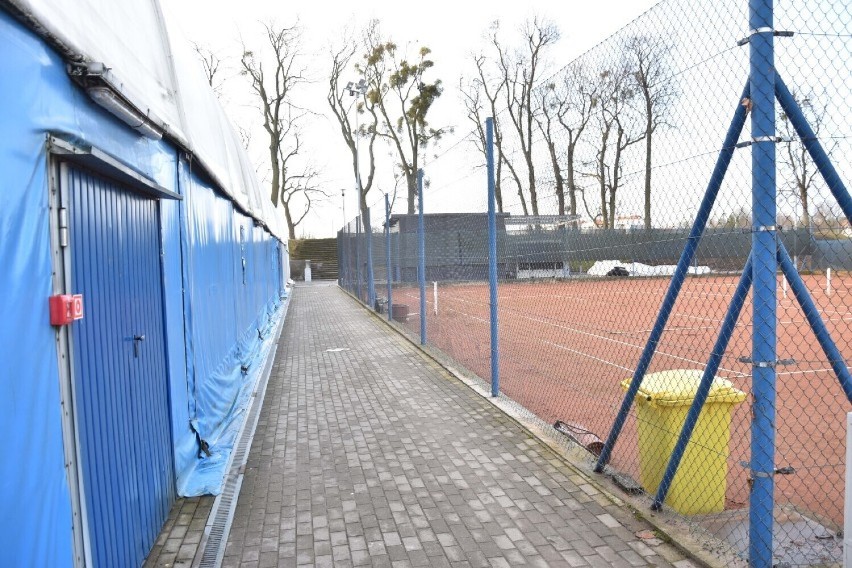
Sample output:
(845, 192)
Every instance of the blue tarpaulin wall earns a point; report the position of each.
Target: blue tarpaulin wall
(219, 315)
(232, 293)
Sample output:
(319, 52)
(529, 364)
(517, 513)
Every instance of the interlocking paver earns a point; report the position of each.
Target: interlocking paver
(368, 454)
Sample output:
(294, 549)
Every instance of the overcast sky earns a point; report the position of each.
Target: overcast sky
(453, 30)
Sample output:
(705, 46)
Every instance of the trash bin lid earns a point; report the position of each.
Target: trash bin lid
(677, 387)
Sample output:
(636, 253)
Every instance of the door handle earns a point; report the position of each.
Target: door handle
(136, 340)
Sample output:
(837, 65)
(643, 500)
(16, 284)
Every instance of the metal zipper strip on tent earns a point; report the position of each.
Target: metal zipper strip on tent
(215, 538)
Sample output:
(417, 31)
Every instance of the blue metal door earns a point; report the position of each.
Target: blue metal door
(119, 368)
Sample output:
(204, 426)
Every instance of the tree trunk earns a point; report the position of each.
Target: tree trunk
(517, 182)
(648, 131)
(276, 174)
(291, 228)
(803, 195)
(533, 193)
(498, 191)
(557, 176)
(572, 187)
(411, 182)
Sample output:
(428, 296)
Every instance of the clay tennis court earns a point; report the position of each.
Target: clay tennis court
(565, 346)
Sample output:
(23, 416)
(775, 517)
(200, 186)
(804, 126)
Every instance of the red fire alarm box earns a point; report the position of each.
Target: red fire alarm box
(65, 308)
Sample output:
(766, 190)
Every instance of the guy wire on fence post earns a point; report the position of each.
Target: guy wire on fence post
(421, 256)
(764, 254)
(492, 257)
(389, 305)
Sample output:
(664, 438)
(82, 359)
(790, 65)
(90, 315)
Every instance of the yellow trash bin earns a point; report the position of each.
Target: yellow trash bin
(662, 403)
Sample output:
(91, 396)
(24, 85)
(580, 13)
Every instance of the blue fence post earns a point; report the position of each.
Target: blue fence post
(764, 251)
(350, 281)
(421, 257)
(358, 258)
(339, 256)
(371, 283)
(388, 257)
(681, 269)
(728, 325)
(492, 256)
(397, 271)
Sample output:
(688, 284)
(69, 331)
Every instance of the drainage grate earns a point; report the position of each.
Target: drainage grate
(215, 537)
(217, 530)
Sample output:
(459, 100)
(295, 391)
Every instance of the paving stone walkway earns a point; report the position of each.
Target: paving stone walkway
(369, 454)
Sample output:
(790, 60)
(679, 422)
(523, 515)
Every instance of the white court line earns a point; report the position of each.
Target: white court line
(626, 344)
(616, 365)
(486, 321)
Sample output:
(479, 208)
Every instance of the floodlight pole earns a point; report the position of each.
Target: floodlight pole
(355, 89)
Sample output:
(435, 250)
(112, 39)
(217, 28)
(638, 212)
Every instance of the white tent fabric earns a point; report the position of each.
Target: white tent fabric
(151, 65)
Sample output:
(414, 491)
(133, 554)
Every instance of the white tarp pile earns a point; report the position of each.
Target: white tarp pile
(602, 267)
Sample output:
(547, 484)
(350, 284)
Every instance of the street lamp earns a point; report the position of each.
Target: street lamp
(355, 89)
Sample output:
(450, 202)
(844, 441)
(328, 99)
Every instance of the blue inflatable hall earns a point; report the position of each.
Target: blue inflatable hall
(143, 281)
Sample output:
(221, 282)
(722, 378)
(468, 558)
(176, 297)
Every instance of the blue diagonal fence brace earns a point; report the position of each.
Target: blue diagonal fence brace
(800, 291)
(722, 162)
(810, 141)
(728, 325)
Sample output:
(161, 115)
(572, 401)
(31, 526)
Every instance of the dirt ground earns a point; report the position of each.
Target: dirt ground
(565, 347)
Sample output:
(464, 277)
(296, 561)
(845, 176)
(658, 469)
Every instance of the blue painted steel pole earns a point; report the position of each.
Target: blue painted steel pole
(421, 256)
(811, 142)
(764, 251)
(492, 256)
(681, 269)
(703, 390)
(388, 257)
(349, 282)
(340, 258)
(371, 283)
(397, 271)
(358, 258)
(838, 363)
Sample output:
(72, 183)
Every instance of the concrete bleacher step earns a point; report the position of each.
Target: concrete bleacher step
(321, 252)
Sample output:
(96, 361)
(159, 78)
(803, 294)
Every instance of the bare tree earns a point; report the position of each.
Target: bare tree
(551, 107)
(291, 184)
(520, 71)
(575, 113)
(402, 97)
(796, 158)
(617, 122)
(211, 63)
(472, 95)
(653, 80)
(340, 100)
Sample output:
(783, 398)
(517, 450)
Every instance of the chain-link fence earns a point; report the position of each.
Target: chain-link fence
(684, 235)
